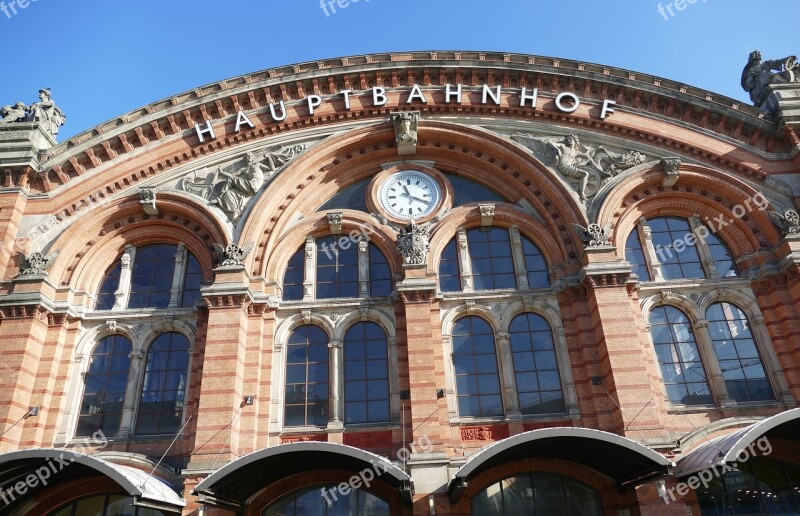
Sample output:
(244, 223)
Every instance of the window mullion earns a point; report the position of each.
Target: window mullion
(310, 276)
(336, 375)
(363, 268)
(178, 275)
(650, 256)
(716, 381)
(135, 372)
(124, 288)
(709, 264)
(518, 255)
(464, 261)
(509, 384)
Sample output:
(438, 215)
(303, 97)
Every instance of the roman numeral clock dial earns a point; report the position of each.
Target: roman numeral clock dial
(409, 195)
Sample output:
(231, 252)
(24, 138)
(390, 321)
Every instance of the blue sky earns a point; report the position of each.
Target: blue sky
(103, 58)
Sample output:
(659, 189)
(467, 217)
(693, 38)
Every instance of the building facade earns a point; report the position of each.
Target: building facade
(409, 283)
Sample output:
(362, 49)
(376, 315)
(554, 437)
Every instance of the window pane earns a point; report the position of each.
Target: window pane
(366, 374)
(192, 281)
(337, 268)
(106, 297)
(151, 277)
(535, 365)
(635, 255)
(737, 353)
(449, 270)
(538, 274)
(676, 349)
(475, 365)
(380, 276)
(678, 259)
(492, 263)
(104, 387)
(306, 401)
(163, 389)
(293, 277)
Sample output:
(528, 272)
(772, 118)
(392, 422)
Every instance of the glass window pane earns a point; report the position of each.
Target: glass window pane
(104, 387)
(366, 374)
(151, 276)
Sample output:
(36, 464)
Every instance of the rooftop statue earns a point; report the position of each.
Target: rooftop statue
(758, 74)
(44, 112)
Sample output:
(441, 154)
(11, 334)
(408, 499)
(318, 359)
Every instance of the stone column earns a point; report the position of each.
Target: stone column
(310, 276)
(702, 248)
(649, 250)
(464, 261)
(336, 395)
(124, 288)
(127, 425)
(506, 363)
(716, 382)
(519, 258)
(177, 276)
(363, 268)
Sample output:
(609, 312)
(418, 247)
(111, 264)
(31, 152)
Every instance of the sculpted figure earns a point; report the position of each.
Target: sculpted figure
(572, 161)
(757, 74)
(46, 113)
(15, 113)
(232, 191)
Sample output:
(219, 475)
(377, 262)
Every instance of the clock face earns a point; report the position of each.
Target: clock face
(409, 195)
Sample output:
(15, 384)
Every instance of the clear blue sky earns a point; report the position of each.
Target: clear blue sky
(103, 58)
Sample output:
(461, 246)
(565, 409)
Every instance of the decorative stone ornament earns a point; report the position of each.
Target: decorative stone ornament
(672, 171)
(487, 214)
(405, 130)
(594, 235)
(232, 255)
(147, 198)
(788, 223)
(44, 112)
(335, 222)
(36, 264)
(584, 168)
(413, 244)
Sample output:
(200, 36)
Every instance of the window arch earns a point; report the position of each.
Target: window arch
(338, 271)
(739, 359)
(497, 258)
(105, 383)
(682, 249)
(151, 276)
(679, 356)
(163, 390)
(309, 502)
(475, 363)
(366, 374)
(535, 365)
(537, 494)
(306, 396)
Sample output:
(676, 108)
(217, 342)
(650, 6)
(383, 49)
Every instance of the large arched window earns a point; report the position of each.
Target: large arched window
(535, 365)
(475, 364)
(537, 494)
(678, 355)
(104, 388)
(306, 399)
(328, 500)
(338, 271)
(160, 276)
(164, 386)
(366, 374)
(679, 248)
(495, 261)
(736, 350)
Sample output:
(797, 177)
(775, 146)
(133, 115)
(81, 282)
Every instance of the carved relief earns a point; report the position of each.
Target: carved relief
(413, 244)
(788, 222)
(483, 433)
(36, 264)
(585, 168)
(304, 438)
(232, 255)
(594, 235)
(230, 187)
(405, 130)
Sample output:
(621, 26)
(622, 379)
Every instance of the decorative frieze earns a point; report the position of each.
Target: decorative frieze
(484, 433)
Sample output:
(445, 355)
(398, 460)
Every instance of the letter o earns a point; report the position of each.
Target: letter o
(576, 102)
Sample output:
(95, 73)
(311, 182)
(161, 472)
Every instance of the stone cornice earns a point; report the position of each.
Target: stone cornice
(173, 119)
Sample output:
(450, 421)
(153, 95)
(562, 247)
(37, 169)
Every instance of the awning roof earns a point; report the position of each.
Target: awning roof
(237, 481)
(725, 449)
(622, 459)
(65, 465)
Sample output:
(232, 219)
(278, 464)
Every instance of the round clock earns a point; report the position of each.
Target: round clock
(409, 194)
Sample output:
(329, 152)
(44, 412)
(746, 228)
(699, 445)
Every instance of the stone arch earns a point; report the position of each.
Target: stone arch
(364, 315)
(358, 154)
(675, 300)
(466, 310)
(291, 323)
(549, 312)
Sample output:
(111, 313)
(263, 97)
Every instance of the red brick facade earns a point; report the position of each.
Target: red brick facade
(90, 184)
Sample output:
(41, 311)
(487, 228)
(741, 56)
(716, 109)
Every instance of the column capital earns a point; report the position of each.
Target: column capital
(335, 344)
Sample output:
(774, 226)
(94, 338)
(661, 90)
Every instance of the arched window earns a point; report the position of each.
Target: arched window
(105, 504)
(681, 365)
(537, 494)
(104, 388)
(739, 359)
(320, 501)
(337, 273)
(306, 400)
(679, 248)
(535, 365)
(154, 270)
(492, 260)
(475, 364)
(366, 374)
(164, 386)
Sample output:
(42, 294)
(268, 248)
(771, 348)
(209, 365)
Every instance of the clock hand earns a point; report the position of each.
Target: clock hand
(420, 200)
